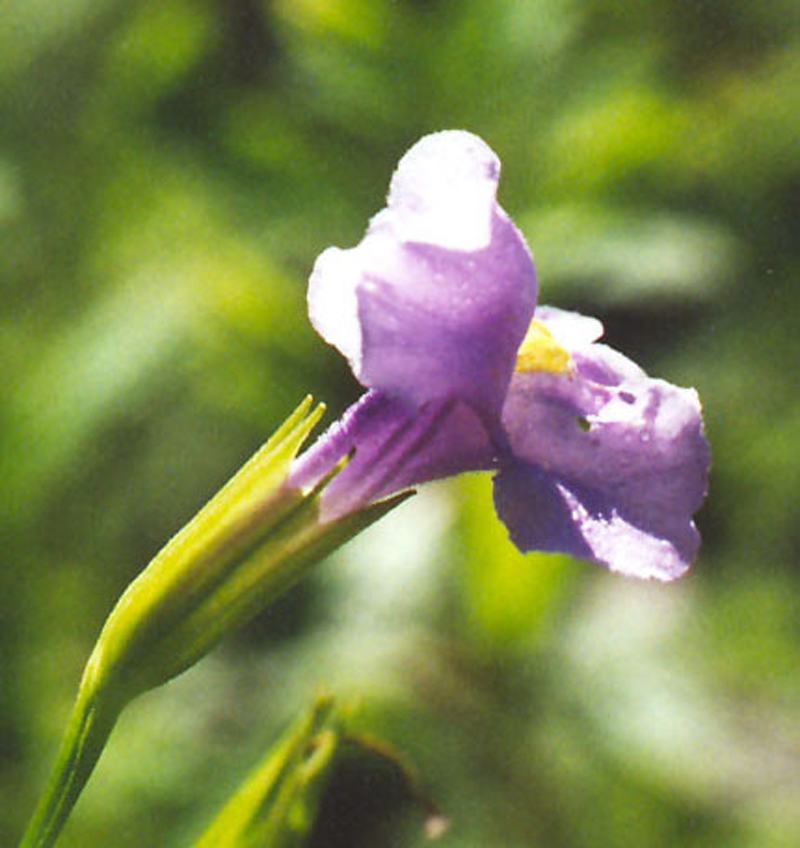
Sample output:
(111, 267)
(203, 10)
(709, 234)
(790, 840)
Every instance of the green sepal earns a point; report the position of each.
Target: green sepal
(276, 805)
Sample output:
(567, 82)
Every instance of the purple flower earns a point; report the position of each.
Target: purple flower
(434, 311)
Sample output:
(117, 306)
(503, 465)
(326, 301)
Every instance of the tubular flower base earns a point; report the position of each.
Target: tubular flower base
(436, 311)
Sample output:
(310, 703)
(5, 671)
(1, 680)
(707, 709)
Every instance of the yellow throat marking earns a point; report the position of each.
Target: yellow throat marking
(539, 351)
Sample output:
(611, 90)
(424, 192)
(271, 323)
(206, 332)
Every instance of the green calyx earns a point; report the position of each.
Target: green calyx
(140, 645)
(251, 542)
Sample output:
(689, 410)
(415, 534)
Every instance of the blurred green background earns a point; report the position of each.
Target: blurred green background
(169, 170)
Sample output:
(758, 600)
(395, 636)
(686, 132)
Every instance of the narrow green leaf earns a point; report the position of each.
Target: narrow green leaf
(275, 806)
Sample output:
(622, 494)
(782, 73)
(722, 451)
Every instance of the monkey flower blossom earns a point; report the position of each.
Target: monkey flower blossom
(436, 312)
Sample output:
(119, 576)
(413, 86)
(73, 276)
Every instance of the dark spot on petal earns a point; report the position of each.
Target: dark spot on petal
(627, 397)
(583, 423)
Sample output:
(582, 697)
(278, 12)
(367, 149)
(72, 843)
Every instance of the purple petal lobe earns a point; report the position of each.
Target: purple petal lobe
(619, 459)
(435, 300)
(396, 446)
(536, 512)
(546, 513)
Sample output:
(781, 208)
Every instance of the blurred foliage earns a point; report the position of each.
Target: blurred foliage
(169, 169)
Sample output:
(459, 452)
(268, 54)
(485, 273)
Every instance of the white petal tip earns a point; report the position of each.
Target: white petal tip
(443, 191)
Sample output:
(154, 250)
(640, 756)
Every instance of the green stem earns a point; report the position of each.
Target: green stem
(90, 725)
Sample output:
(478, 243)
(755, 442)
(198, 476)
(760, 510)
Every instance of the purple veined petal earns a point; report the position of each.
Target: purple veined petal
(615, 463)
(435, 300)
(397, 446)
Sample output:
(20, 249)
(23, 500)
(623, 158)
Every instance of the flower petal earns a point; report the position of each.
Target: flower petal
(435, 300)
(570, 329)
(443, 191)
(396, 446)
(618, 460)
(546, 513)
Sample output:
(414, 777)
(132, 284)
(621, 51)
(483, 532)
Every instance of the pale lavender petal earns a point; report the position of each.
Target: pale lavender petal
(615, 462)
(443, 191)
(546, 513)
(536, 513)
(571, 330)
(577, 334)
(397, 446)
(435, 300)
